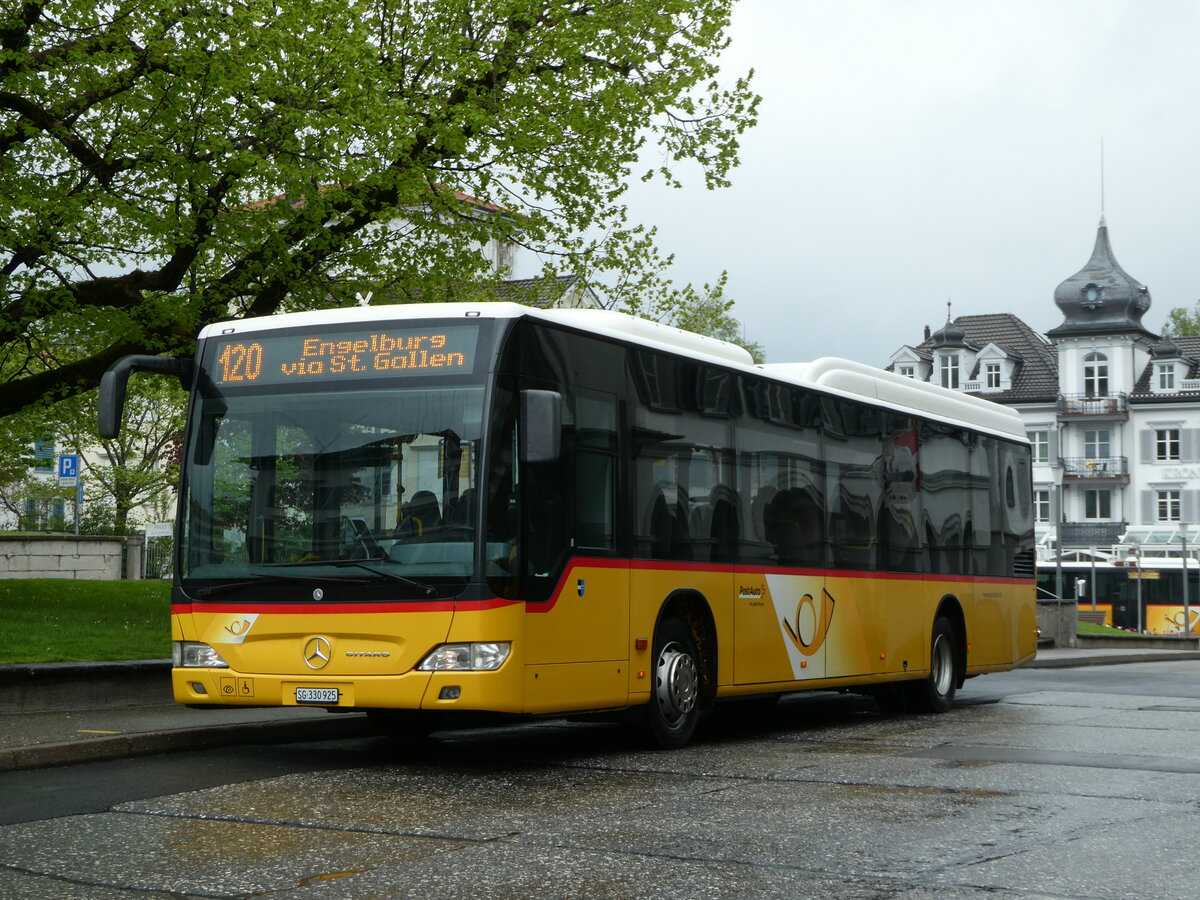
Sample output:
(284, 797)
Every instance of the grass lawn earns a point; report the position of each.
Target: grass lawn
(1088, 628)
(63, 620)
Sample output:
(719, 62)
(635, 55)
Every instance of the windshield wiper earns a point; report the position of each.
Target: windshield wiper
(427, 589)
(256, 579)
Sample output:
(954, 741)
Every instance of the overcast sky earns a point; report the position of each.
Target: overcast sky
(911, 152)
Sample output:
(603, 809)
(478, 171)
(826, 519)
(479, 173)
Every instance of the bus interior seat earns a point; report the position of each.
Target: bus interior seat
(421, 517)
(462, 512)
(669, 534)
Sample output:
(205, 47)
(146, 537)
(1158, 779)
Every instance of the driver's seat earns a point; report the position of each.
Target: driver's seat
(421, 517)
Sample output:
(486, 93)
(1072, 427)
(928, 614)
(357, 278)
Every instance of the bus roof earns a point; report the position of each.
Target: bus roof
(827, 374)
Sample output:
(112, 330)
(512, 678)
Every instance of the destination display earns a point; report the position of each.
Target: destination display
(344, 355)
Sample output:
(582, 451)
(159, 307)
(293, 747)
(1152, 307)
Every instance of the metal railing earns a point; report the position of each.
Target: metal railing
(1094, 467)
(1112, 406)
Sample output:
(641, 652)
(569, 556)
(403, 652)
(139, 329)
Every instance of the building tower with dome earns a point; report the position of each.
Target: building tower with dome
(1112, 409)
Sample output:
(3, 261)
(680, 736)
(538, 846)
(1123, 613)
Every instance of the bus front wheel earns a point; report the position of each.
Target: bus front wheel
(935, 694)
(674, 707)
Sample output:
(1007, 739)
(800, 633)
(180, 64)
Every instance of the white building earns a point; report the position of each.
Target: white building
(1112, 409)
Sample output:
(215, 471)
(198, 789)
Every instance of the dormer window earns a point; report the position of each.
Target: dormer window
(908, 363)
(949, 371)
(1166, 376)
(991, 376)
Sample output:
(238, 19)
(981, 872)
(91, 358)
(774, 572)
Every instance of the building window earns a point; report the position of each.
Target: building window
(1095, 444)
(1039, 445)
(43, 454)
(1168, 506)
(950, 371)
(1166, 444)
(1166, 376)
(908, 370)
(991, 375)
(1097, 504)
(1095, 375)
(1041, 506)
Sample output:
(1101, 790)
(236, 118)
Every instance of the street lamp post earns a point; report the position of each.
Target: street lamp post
(1058, 548)
(1092, 551)
(1187, 613)
(1138, 560)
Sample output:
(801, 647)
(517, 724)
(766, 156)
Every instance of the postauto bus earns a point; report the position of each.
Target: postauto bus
(441, 513)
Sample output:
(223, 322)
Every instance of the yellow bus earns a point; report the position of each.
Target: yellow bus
(443, 512)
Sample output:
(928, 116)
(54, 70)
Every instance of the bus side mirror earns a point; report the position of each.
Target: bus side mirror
(114, 381)
(541, 426)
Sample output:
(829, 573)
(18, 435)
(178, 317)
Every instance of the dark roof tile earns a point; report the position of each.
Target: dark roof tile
(1036, 375)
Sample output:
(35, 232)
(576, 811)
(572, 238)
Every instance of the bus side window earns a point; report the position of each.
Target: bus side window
(854, 470)
(899, 518)
(945, 497)
(595, 471)
(781, 476)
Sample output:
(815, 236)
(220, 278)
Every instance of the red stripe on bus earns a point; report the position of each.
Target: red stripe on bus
(660, 565)
(342, 608)
(637, 565)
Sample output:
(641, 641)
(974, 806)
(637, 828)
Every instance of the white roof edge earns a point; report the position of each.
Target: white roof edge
(830, 374)
(596, 321)
(352, 314)
(854, 379)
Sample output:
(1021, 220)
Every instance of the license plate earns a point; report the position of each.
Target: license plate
(316, 695)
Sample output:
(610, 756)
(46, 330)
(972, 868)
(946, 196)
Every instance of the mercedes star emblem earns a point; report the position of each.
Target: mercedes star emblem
(316, 653)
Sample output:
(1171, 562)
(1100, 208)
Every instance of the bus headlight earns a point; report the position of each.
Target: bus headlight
(194, 655)
(484, 656)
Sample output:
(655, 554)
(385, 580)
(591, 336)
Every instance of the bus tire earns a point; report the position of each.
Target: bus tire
(674, 707)
(935, 694)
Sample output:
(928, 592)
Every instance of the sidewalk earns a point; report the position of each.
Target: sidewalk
(60, 714)
(56, 714)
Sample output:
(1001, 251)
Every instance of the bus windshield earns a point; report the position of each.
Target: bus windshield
(368, 484)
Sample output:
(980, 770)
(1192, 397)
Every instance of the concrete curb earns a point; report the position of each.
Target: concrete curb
(124, 746)
(1081, 659)
(53, 687)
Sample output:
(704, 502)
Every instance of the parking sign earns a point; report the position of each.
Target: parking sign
(68, 470)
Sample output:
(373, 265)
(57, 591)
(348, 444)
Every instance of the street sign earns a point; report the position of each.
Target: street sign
(68, 470)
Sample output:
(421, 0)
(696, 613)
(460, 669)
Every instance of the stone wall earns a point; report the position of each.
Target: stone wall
(1058, 622)
(60, 556)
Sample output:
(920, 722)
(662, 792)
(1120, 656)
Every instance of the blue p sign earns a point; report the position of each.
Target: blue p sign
(68, 466)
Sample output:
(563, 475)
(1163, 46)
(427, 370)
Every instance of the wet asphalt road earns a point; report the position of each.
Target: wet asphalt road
(1040, 783)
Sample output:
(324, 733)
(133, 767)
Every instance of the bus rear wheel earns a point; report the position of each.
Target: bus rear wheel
(674, 707)
(935, 693)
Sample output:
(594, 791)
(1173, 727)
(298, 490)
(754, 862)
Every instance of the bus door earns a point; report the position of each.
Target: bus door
(863, 458)
(783, 606)
(575, 589)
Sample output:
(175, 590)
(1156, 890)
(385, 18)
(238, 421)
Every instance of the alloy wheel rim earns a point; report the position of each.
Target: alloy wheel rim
(676, 684)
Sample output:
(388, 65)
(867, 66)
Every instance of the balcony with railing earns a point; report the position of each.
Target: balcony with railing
(1113, 469)
(1090, 534)
(1085, 406)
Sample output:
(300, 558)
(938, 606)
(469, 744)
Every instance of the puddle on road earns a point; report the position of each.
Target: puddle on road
(1125, 761)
